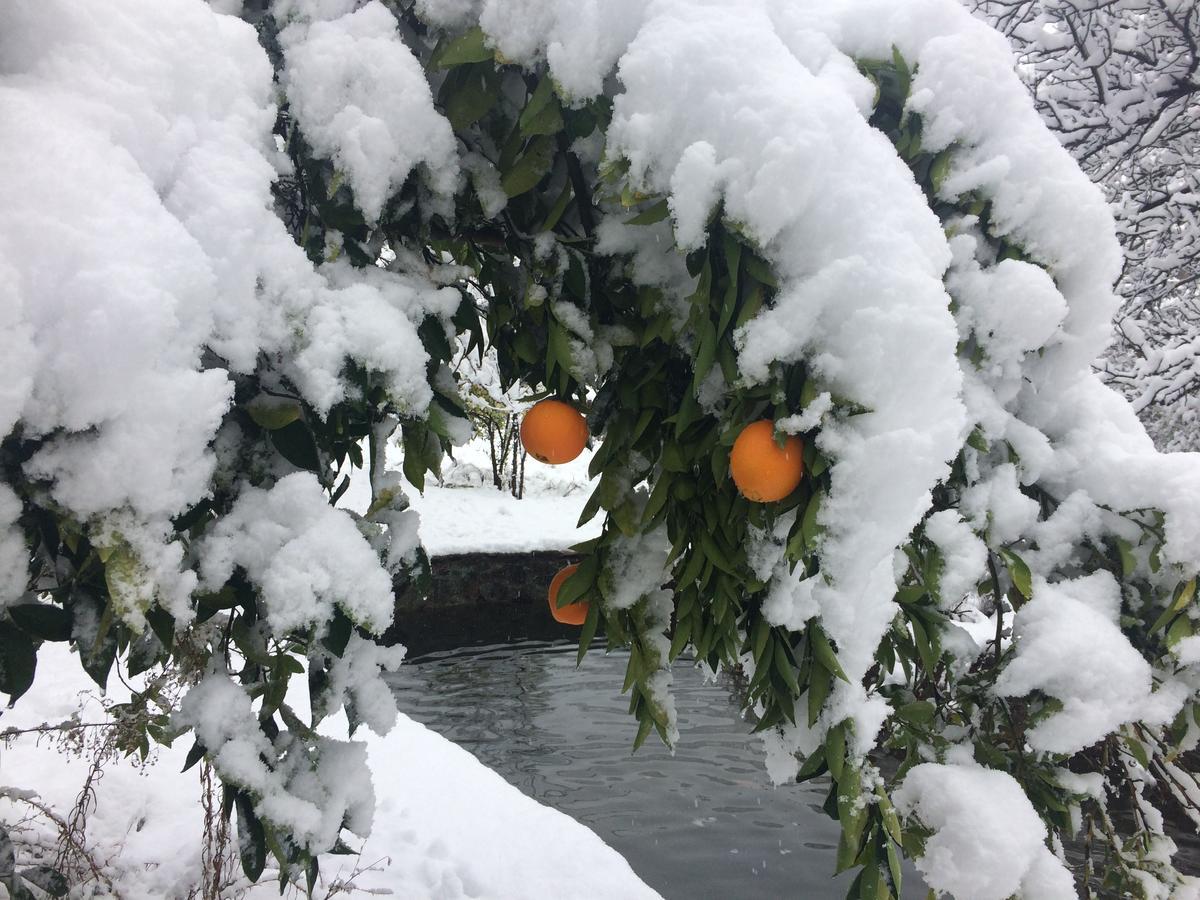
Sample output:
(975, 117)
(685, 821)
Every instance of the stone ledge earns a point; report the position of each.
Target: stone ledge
(481, 598)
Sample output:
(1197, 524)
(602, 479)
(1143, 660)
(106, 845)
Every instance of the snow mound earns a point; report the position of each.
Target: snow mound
(988, 842)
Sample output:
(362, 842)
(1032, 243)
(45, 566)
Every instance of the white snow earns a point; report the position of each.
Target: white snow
(362, 100)
(136, 161)
(465, 514)
(635, 568)
(303, 556)
(988, 842)
(138, 156)
(445, 826)
(581, 39)
(964, 555)
(1070, 646)
(805, 175)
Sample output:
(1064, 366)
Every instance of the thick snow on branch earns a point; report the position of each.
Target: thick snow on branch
(760, 107)
(311, 797)
(1072, 648)
(143, 267)
(137, 160)
(302, 554)
(363, 101)
(988, 842)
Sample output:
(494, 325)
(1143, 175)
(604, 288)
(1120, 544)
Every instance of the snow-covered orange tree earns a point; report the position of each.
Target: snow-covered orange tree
(234, 269)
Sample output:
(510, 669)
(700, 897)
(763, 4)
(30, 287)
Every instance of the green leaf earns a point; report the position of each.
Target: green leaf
(733, 257)
(469, 47)
(248, 643)
(689, 412)
(296, 444)
(643, 732)
(919, 712)
(252, 843)
(143, 652)
(1022, 579)
(652, 214)
(887, 812)
(761, 633)
(1128, 560)
(903, 74)
(939, 169)
(162, 624)
(693, 568)
(816, 764)
(929, 658)
(658, 497)
(42, 621)
(1183, 596)
(338, 636)
(820, 685)
(706, 351)
(852, 815)
(530, 167)
(18, 661)
(579, 582)
(823, 652)
(472, 96)
(542, 114)
(193, 756)
(681, 637)
(559, 347)
(809, 527)
(835, 750)
(1180, 629)
(759, 269)
(273, 413)
(1138, 750)
(590, 508)
(894, 868)
(751, 304)
(414, 455)
(783, 666)
(538, 100)
(716, 553)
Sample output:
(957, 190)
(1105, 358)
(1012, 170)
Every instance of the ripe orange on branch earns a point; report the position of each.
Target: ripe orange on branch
(573, 613)
(762, 470)
(554, 432)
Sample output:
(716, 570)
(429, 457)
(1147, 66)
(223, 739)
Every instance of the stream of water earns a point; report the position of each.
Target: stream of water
(702, 823)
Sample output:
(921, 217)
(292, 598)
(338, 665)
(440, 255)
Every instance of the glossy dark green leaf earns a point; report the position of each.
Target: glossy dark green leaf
(252, 843)
(42, 621)
(654, 213)
(18, 661)
(823, 651)
(469, 47)
(529, 168)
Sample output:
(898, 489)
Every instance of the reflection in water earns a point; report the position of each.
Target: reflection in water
(704, 823)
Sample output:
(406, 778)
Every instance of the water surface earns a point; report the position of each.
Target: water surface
(702, 823)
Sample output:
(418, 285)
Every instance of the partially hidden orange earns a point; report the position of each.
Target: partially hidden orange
(762, 470)
(554, 432)
(573, 613)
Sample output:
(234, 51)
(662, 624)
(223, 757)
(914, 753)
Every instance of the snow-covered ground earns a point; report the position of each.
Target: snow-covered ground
(445, 825)
(467, 514)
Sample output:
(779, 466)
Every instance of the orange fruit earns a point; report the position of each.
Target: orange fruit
(554, 432)
(762, 470)
(573, 613)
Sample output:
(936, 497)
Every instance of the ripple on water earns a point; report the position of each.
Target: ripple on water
(704, 823)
